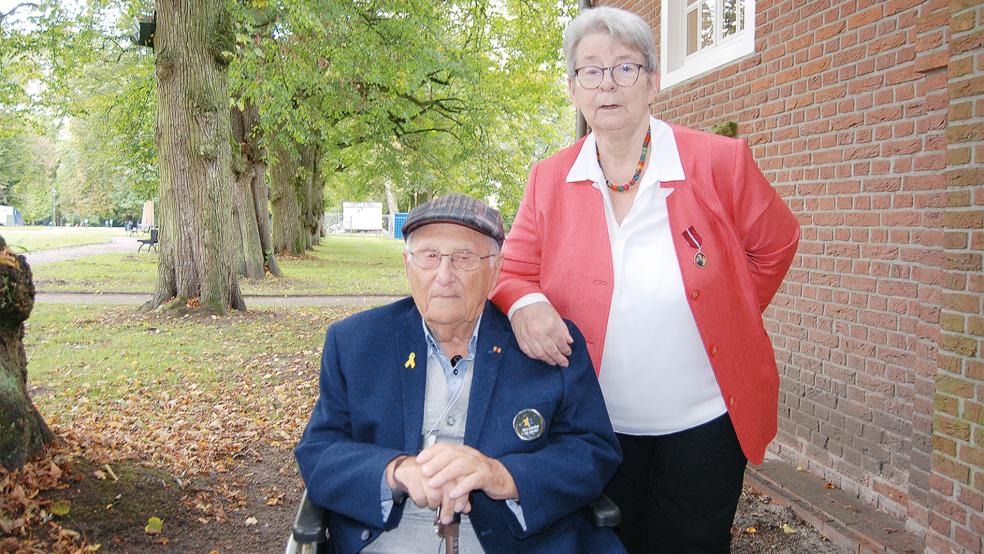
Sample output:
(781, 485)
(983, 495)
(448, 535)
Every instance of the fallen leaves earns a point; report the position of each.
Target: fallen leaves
(26, 517)
(154, 526)
(788, 529)
(195, 410)
(61, 508)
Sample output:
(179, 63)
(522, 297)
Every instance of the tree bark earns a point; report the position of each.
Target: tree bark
(198, 233)
(285, 199)
(261, 196)
(391, 204)
(314, 195)
(249, 258)
(23, 432)
(249, 169)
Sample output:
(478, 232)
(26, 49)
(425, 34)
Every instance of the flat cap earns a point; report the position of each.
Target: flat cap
(458, 209)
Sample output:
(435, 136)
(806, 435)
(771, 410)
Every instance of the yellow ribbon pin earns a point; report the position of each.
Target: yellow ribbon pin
(411, 361)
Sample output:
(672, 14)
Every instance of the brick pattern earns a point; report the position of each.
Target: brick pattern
(846, 104)
(957, 482)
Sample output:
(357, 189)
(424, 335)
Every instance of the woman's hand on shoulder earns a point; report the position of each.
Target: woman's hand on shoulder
(542, 334)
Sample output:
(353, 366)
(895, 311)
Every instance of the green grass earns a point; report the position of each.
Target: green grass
(100, 351)
(340, 265)
(33, 239)
(102, 273)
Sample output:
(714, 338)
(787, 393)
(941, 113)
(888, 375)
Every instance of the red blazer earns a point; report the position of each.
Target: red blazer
(558, 245)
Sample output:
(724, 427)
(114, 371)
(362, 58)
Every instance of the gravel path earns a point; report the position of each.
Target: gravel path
(137, 299)
(119, 244)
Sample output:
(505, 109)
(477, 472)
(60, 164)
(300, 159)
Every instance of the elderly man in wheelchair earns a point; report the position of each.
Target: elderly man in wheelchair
(433, 431)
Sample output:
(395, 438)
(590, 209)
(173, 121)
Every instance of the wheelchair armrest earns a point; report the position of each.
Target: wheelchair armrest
(604, 513)
(309, 525)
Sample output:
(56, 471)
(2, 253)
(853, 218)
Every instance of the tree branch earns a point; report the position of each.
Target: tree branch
(17, 7)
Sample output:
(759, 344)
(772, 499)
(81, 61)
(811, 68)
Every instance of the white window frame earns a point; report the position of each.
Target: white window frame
(675, 66)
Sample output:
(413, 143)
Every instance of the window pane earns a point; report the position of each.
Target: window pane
(707, 24)
(691, 32)
(732, 14)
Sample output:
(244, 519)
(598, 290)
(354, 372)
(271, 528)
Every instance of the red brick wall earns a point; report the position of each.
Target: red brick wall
(845, 104)
(957, 495)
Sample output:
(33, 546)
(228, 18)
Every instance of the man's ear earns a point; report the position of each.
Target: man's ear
(496, 269)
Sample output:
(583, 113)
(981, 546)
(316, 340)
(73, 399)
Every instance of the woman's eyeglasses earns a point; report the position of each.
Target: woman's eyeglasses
(623, 74)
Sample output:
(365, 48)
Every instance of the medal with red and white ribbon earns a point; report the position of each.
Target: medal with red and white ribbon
(693, 239)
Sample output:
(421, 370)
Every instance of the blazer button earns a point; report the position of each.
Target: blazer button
(731, 401)
(695, 294)
(365, 534)
(714, 350)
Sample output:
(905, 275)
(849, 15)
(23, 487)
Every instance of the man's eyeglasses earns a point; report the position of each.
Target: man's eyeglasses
(462, 260)
(623, 74)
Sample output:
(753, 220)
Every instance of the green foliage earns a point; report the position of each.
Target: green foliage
(109, 161)
(428, 96)
(26, 163)
(726, 128)
(431, 96)
(66, 62)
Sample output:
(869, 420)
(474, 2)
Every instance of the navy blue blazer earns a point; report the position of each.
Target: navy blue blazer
(371, 407)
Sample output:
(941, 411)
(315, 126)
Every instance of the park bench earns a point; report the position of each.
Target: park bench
(310, 532)
(149, 242)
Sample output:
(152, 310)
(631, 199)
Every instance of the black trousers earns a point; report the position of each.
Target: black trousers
(679, 492)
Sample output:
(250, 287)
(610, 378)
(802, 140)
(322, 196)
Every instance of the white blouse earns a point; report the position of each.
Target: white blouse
(655, 374)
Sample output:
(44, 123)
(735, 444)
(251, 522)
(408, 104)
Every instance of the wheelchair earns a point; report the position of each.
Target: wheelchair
(310, 532)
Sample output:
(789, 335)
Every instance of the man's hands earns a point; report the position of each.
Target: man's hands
(464, 469)
(542, 334)
(443, 475)
(404, 473)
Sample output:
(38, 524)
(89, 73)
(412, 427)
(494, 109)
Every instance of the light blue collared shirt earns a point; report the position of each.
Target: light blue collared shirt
(455, 376)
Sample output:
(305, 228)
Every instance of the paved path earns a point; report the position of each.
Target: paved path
(119, 244)
(137, 299)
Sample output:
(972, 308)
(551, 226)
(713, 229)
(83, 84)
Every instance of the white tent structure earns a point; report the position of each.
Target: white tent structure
(10, 216)
(147, 217)
(362, 216)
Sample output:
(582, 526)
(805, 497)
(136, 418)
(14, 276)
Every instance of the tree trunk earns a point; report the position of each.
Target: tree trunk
(251, 195)
(314, 195)
(261, 194)
(285, 193)
(306, 174)
(249, 259)
(23, 432)
(391, 204)
(198, 233)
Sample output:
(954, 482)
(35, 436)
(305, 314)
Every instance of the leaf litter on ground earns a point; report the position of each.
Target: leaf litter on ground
(228, 387)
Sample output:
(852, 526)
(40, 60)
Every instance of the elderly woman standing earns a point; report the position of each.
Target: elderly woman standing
(663, 245)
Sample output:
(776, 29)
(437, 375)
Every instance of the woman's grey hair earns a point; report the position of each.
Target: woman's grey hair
(623, 26)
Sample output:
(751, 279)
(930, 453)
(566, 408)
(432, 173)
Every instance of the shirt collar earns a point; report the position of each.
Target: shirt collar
(664, 162)
(435, 349)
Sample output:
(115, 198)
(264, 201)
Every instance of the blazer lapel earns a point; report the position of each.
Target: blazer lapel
(493, 339)
(412, 357)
